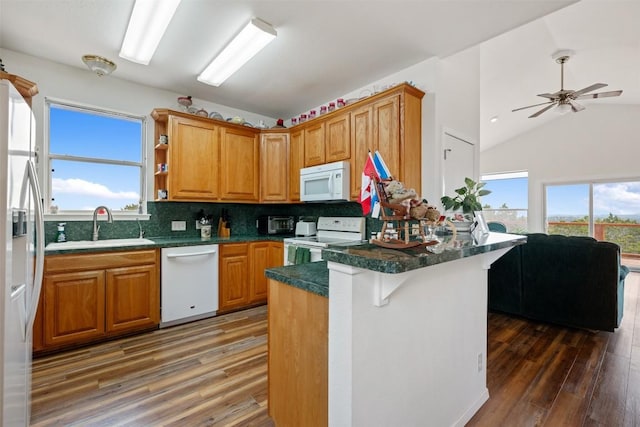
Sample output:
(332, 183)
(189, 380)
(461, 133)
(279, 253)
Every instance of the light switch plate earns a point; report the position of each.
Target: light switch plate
(178, 225)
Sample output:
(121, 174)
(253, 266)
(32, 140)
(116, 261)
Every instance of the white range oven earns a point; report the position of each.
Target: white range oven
(330, 230)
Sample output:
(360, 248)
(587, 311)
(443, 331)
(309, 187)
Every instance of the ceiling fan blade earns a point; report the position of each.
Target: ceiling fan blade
(536, 114)
(530, 106)
(548, 95)
(594, 86)
(575, 106)
(600, 95)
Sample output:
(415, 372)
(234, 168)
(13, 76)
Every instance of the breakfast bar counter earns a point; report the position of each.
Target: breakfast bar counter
(406, 332)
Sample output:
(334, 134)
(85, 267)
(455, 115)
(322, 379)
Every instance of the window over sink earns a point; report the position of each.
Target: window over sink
(94, 157)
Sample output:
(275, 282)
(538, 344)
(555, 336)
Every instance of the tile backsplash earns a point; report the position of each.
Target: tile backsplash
(242, 217)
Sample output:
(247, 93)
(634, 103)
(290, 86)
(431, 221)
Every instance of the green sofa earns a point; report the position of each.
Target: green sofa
(571, 281)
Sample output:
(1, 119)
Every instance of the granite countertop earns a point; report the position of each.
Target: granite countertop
(314, 277)
(167, 242)
(372, 257)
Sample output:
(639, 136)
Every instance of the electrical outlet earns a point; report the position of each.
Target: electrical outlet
(479, 362)
(178, 225)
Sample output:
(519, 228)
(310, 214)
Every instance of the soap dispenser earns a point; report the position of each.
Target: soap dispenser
(61, 237)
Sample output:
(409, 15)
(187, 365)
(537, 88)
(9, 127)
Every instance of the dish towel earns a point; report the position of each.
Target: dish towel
(303, 255)
(291, 254)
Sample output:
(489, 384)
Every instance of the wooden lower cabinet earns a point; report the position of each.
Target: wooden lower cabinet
(263, 255)
(233, 267)
(73, 307)
(242, 280)
(91, 297)
(298, 356)
(132, 301)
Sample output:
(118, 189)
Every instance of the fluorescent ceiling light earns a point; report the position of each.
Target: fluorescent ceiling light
(256, 35)
(149, 21)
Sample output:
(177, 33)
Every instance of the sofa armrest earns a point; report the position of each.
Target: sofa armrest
(624, 270)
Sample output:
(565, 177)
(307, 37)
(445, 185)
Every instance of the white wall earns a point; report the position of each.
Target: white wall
(599, 143)
(81, 86)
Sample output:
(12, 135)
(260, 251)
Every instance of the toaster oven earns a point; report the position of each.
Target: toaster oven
(273, 224)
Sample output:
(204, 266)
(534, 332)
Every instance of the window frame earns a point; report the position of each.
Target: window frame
(509, 175)
(83, 215)
(590, 182)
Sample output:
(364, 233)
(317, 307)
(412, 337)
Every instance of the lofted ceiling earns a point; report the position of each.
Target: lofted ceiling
(327, 48)
(517, 65)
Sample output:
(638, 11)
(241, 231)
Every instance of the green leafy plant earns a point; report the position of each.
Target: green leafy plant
(467, 198)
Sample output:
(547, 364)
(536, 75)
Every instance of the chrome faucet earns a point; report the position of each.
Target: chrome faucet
(96, 227)
(141, 235)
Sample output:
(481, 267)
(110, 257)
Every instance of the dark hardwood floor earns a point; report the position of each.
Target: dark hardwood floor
(546, 375)
(213, 373)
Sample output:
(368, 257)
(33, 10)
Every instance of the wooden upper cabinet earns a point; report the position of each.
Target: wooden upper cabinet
(314, 151)
(391, 124)
(296, 162)
(361, 143)
(338, 138)
(193, 158)
(209, 160)
(239, 164)
(274, 167)
(386, 134)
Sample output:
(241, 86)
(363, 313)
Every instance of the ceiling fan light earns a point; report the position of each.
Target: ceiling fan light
(562, 108)
(255, 36)
(99, 65)
(148, 23)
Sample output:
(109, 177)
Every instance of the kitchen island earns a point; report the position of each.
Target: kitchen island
(406, 335)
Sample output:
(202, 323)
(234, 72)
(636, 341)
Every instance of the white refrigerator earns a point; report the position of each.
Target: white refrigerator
(21, 254)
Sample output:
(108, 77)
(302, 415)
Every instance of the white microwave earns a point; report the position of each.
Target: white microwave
(325, 182)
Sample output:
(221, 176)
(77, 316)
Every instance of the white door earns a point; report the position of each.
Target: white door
(459, 162)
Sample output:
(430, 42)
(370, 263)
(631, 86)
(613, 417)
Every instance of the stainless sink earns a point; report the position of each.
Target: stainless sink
(107, 243)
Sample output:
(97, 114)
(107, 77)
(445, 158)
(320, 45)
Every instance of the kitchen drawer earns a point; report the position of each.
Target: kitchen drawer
(97, 261)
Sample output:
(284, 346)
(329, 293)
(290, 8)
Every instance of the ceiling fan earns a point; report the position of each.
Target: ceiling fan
(565, 99)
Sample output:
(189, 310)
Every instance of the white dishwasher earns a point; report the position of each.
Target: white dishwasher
(188, 284)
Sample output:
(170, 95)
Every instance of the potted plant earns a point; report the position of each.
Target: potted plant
(467, 199)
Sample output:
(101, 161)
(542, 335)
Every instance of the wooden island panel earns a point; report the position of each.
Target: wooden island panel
(298, 356)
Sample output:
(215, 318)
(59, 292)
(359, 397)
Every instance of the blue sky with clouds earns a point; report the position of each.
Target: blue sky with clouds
(81, 185)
